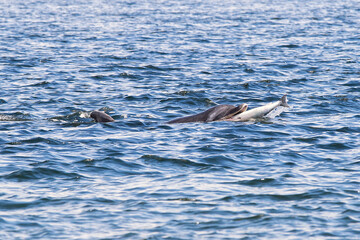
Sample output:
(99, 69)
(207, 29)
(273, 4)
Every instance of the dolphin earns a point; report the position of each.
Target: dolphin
(217, 113)
(100, 116)
(260, 112)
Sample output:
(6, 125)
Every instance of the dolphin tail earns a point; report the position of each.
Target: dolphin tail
(283, 101)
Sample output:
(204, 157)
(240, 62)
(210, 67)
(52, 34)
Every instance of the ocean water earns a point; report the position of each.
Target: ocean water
(63, 176)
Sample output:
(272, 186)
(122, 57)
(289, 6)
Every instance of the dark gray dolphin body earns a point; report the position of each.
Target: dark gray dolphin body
(99, 116)
(217, 113)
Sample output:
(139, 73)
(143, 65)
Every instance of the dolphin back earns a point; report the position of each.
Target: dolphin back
(210, 115)
(187, 119)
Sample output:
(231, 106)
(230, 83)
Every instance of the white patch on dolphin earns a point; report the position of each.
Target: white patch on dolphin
(269, 110)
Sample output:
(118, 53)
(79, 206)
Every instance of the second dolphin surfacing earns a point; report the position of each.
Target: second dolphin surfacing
(261, 112)
(232, 113)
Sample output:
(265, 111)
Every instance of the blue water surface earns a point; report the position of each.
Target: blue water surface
(63, 176)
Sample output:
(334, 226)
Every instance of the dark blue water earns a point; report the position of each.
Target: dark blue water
(62, 176)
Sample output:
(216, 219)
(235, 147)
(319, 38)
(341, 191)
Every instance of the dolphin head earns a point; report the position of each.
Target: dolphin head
(237, 110)
(99, 116)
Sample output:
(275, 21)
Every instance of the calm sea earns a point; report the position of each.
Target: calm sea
(63, 176)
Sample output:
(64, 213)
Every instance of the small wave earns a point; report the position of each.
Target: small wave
(289, 46)
(154, 159)
(37, 140)
(218, 160)
(257, 182)
(193, 93)
(189, 98)
(249, 70)
(110, 164)
(352, 83)
(184, 199)
(252, 217)
(288, 66)
(306, 139)
(128, 75)
(152, 67)
(276, 112)
(39, 84)
(11, 205)
(75, 117)
(299, 80)
(140, 97)
(349, 129)
(16, 205)
(18, 116)
(100, 77)
(310, 194)
(334, 146)
(39, 173)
